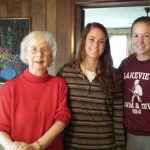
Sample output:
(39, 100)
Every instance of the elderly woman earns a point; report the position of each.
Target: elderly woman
(33, 106)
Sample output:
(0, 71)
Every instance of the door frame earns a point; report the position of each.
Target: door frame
(77, 24)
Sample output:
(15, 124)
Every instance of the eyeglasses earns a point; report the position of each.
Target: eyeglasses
(35, 49)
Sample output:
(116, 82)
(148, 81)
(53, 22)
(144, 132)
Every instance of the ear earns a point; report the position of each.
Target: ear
(50, 60)
(26, 56)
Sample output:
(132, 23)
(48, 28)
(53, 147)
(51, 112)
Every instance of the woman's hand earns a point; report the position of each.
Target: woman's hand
(35, 146)
(20, 146)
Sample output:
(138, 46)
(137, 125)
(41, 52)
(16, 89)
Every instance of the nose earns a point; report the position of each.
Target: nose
(96, 44)
(141, 39)
(39, 53)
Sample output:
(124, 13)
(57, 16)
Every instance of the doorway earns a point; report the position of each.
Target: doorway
(118, 21)
(79, 22)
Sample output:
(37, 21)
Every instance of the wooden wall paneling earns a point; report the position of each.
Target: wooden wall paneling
(73, 31)
(79, 22)
(14, 8)
(51, 17)
(63, 27)
(26, 8)
(38, 14)
(3, 8)
(51, 25)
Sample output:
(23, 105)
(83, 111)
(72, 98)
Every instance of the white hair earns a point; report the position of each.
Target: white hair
(45, 36)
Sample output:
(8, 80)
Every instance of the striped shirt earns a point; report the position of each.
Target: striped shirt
(97, 121)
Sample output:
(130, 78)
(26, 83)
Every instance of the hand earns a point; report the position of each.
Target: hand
(35, 146)
(20, 146)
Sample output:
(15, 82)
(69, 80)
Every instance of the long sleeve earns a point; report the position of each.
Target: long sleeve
(62, 112)
(5, 109)
(118, 117)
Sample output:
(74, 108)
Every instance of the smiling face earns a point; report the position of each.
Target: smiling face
(95, 43)
(141, 39)
(38, 56)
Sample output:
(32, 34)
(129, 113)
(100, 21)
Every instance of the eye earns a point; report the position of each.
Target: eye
(45, 49)
(101, 41)
(91, 39)
(135, 35)
(32, 49)
(147, 35)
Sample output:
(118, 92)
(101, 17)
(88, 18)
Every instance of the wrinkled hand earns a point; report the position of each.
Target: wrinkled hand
(20, 146)
(35, 146)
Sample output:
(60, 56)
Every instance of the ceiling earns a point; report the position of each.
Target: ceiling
(116, 17)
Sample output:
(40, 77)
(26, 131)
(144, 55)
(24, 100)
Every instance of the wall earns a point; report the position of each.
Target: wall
(49, 15)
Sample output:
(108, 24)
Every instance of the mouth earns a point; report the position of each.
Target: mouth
(95, 52)
(140, 47)
(39, 62)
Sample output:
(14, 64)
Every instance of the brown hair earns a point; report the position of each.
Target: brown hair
(105, 70)
(144, 19)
